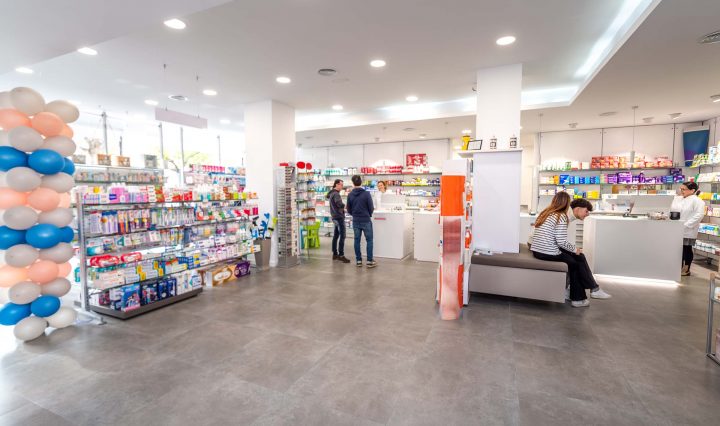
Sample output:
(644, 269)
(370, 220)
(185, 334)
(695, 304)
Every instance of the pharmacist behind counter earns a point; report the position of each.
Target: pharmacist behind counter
(692, 211)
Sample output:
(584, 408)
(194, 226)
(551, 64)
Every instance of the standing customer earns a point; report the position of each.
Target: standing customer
(692, 210)
(337, 214)
(550, 243)
(360, 206)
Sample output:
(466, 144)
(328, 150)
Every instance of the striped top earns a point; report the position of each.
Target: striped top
(551, 236)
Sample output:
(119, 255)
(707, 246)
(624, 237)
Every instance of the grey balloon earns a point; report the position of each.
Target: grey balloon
(65, 316)
(60, 253)
(59, 182)
(58, 287)
(30, 328)
(24, 293)
(63, 109)
(59, 217)
(63, 145)
(25, 139)
(21, 255)
(23, 179)
(20, 217)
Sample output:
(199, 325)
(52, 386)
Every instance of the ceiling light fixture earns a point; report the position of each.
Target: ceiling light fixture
(337, 107)
(327, 72)
(24, 70)
(713, 37)
(648, 120)
(209, 92)
(377, 63)
(224, 121)
(180, 98)
(422, 135)
(573, 125)
(607, 114)
(175, 24)
(715, 98)
(408, 129)
(411, 98)
(466, 132)
(675, 115)
(151, 102)
(504, 41)
(283, 80)
(87, 51)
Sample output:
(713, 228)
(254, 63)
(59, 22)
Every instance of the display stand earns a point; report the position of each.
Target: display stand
(713, 301)
(287, 217)
(305, 204)
(156, 251)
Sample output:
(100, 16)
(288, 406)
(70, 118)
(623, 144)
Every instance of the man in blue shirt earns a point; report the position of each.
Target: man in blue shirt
(360, 206)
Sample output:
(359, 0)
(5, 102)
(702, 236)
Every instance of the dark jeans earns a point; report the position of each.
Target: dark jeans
(367, 229)
(338, 241)
(581, 277)
(688, 254)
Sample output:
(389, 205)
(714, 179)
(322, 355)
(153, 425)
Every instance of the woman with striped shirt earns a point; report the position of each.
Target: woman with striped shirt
(549, 242)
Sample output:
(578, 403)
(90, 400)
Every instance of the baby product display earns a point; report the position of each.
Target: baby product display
(34, 199)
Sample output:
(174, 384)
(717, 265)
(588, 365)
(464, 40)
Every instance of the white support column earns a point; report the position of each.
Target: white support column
(269, 140)
(497, 173)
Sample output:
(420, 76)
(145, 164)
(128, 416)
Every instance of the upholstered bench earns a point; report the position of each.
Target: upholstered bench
(518, 275)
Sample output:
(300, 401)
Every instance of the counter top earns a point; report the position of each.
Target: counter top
(630, 219)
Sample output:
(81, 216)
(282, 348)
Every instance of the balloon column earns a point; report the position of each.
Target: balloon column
(35, 214)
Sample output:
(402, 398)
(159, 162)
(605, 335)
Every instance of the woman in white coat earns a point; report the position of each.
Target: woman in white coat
(692, 211)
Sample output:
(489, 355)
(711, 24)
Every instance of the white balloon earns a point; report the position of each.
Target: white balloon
(64, 317)
(20, 217)
(27, 100)
(63, 145)
(30, 328)
(23, 179)
(58, 287)
(25, 138)
(60, 253)
(4, 298)
(59, 182)
(2, 220)
(21, 255)
(3, 179)
(65, 110)
(4, 138)
(59, 217)
(24, 293)
(5, 101)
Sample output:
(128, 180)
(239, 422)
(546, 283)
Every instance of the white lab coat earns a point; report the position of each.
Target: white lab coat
(692, 211)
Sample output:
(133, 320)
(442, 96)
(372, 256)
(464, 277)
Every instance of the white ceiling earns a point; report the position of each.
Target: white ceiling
(238, 48)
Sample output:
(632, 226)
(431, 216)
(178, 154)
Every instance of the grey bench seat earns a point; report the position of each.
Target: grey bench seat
(518, 275)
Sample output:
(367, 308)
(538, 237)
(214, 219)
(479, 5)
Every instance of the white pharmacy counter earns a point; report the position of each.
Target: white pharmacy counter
(392, 234)
(427, 236)
(633, 247)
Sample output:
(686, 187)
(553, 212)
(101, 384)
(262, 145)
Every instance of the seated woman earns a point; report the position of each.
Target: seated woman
(549, 242)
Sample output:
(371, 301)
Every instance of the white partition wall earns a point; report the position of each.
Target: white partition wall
(437, 150)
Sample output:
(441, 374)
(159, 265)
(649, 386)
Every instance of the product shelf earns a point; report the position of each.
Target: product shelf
(173, 250)
(189, 225)
(163, 203)
(608, 184)
(145, 308)
(610, 170)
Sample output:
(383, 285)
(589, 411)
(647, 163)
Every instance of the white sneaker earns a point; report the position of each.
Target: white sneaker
(580, 303)
(599, 294)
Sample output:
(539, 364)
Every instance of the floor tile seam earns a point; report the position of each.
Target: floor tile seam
(37, 405)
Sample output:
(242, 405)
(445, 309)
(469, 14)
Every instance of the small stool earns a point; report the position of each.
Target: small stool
(311, 239)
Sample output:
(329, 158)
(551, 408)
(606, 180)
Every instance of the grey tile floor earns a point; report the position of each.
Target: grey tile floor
(331, 344)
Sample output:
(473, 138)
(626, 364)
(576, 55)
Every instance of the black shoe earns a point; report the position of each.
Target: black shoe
(335, 257)
(343, 259)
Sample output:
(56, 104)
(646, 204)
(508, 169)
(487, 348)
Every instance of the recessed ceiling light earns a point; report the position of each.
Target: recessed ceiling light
(466, 132)
(283, 80)
(675, 115)
(24, 70)
(87, 51)
(607, 114)
(151, 102)
(209, 92)
(337, 107)
(327, 72)
(224, 121)
(572, 125)
(180, 98)
(648, 119)
(504, 41)
(520, 127)
(408, 129)
(175, 24)
(377, 63)
(422, 136)
(411, 98)
(713, 37)
(715, 98)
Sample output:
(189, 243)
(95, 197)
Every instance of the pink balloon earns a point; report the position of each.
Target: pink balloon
(43, 271)
(65, 200)
(48, 124)
(12, 118)
(43, 199)
(64, 269)
(11, 198)
(10, 275)
(67, 131)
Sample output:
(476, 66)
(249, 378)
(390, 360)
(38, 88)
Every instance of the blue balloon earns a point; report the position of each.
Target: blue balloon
(66, 234)
(43, 236)
(46, 161)
(11, 314)
(69, 167)
(10, 237)
(44, 306)
(11, 157)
